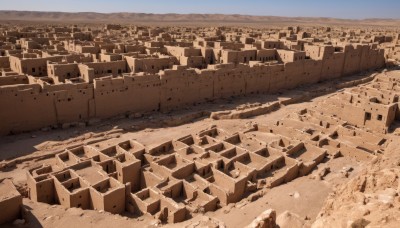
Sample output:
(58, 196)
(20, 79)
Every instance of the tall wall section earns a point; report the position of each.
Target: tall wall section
(30, 107)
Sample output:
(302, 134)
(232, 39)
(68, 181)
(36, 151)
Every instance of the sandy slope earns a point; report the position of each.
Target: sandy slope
(370, 199)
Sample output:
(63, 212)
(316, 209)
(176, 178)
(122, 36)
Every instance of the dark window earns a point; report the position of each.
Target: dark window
(109, 71)
(367, 116)
(33, 70)
(380, 117)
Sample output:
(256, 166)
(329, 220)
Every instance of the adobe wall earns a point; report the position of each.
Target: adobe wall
(34, 66)
(87, 49)
(60, 72)
(4, 62)
(90, 71)
(25, 107)
(33, 107)
(148, 65)
(266, 55)
(230, 56)
(176, 182)
(193, 62)
(72, 102)
(208, 55)
(229, 82)
(290, 55)
(13, 80)
(185, 87)
(375, 116)
(10, 202)
(332, 66)
(129, 94)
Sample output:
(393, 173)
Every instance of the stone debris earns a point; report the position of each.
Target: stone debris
(265, 220)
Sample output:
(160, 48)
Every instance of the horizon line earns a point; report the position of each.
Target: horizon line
(227, 14)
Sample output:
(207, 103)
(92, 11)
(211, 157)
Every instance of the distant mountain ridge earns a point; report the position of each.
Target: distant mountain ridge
(93, 17)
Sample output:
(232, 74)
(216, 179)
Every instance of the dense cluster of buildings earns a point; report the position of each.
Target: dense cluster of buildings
(174, 180)
(74, 74)
(52, 76)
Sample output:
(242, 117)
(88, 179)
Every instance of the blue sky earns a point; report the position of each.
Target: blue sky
(313, 8)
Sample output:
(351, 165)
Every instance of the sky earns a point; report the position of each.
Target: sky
(352, 9)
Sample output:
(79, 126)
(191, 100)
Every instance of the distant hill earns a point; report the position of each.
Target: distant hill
(141, 18)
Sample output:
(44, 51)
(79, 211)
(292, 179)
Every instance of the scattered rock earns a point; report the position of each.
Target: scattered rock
(288, 219)
(253, 197)
(75, 211)
(323, 172)
(221, 225)
(336, 154)
(81, 124)
(265, 220)
(346, 171)
(138, 115)
(235, 173)
(358, 223)
(251, 187)
(220, 115)
(65, 125)
(92, 122)
(47, 218)
(45, 129)
(19, 222)
(387, 196)
(241, 204)
(88, 135)
(295, 195)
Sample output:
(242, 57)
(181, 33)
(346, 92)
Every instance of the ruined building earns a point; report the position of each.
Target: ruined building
(68, 76)
(203, 171)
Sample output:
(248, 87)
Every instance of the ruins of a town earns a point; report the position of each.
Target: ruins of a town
(284, 124)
